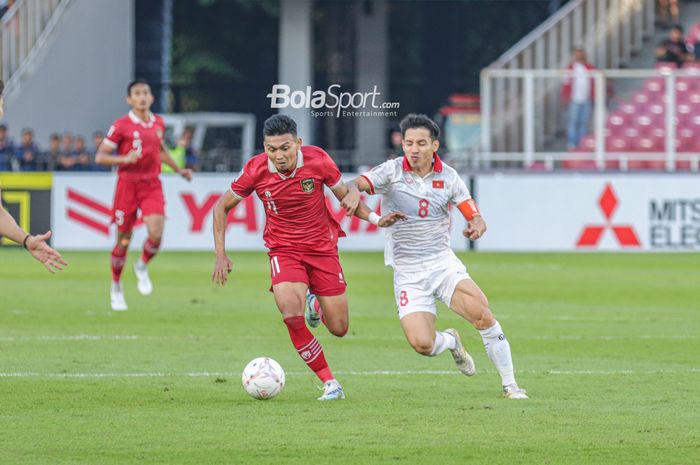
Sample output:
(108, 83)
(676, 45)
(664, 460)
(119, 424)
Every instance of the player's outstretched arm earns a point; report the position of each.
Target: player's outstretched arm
(49, 257)
(168, 160)
(222, 265)
(365, 213)
(35, 245)
(362, 211)
(104, 156)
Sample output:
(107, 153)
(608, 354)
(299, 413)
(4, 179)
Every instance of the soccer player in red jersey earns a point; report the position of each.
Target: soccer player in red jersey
(138, 138)
(300, 234)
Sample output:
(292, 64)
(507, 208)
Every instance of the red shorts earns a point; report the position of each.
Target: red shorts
(130, 196)
(321, 272)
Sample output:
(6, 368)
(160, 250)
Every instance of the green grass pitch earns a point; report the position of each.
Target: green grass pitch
(608, 346)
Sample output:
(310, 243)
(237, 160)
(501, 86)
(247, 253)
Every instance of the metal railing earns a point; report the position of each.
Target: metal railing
(609, 30)
(23, 28)
(529, 153)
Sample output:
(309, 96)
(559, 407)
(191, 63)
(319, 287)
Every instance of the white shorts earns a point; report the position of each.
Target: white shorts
(416, 291)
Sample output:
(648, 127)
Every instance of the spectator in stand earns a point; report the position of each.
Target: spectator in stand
(191, 155)
(7, 5)
(27, 155)
(673, 49)
(395, 139)
(53, 153)
(669, 13)
(82, 156)
(577, 92)
(7, 149)
(68, 158)
(183, 154)
(97, 138)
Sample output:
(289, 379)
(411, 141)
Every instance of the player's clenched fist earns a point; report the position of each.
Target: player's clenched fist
(475, 228)
(132, 157)
(222, 268)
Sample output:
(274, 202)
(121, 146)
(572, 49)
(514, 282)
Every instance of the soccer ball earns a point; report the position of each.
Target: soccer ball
(263, 378)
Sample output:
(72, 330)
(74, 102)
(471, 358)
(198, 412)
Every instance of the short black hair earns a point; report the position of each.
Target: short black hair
(136, 82)
(278, 125)
(2, 86)
(54, 136)
(678, 27)
(413, 121)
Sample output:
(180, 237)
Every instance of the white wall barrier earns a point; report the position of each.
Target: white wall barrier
(81, 214)
(590, 212)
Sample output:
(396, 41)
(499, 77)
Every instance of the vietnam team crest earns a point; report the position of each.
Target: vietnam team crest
(307, 185)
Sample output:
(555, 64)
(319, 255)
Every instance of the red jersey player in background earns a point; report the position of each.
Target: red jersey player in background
(301, 236)
(138, 138)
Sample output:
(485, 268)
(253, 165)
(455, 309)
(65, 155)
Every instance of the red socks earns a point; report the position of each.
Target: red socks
(150, 249)
(118, 260)
(308, 347)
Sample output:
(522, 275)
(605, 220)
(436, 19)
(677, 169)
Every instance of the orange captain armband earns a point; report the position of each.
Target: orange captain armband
(469, 209)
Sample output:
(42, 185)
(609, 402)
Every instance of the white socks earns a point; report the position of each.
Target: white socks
(498, 350)
(140, 265)
(443, 341)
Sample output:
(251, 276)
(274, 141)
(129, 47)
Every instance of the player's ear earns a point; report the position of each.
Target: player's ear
(299, 141)
(436, 145)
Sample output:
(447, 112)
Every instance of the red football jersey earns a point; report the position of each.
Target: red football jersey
(130, 133)
(295, 205)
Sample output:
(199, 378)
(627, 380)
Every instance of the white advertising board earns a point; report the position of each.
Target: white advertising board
(81, 215)
(590, 212)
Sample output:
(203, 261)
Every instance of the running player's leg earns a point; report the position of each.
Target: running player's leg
(419, 329)
(152, 206)
(470, 302)
(124, 216)
(117, 261)
(289, 285)
(335, 313)
(327, 287)
(415, 299)
(154, 226)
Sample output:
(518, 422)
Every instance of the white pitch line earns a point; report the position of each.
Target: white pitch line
(133, 337)
(206, 374)
(75, 337)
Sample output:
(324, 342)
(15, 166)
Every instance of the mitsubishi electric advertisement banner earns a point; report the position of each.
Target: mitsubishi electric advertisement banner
(590, 212)
(82, 203)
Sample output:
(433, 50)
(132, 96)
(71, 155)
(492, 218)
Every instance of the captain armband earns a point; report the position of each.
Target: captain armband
(469, 209)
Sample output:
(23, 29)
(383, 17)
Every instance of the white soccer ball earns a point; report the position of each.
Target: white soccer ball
(263, 378)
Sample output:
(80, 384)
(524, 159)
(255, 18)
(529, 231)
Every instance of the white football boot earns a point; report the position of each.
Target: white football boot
(116, 297)
(313, 318)
(143, 282)
(463, 360)
(512, 391)
(332, 390)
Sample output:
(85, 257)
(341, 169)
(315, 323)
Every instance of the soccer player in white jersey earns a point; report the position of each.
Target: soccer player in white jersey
(421, 186)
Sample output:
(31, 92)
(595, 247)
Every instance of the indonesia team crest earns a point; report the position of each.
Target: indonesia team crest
(307, 185)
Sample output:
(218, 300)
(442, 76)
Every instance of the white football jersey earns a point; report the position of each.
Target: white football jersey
(423, 239)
